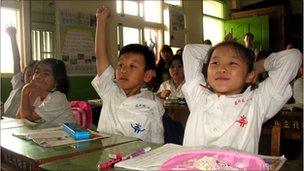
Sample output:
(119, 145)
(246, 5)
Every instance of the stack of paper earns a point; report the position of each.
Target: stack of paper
(51, 137)
(153, 159)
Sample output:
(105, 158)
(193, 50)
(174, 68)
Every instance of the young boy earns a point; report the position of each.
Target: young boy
(128, 109)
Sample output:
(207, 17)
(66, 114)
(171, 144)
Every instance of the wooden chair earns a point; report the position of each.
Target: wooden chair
(276, 140)
(285, 125)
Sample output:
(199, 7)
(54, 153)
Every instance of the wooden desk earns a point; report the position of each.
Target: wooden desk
(26, 155)
(177, 112)
(91, 160)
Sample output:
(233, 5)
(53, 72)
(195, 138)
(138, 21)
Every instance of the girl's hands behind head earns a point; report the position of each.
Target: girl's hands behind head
(102, 13)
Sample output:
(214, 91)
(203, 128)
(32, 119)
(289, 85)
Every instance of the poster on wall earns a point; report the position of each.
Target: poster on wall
(177, 27)
(77, 42)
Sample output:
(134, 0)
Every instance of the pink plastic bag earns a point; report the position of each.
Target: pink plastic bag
(214, 160)
(82, 113)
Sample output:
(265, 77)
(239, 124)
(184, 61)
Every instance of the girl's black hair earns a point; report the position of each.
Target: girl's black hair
(141, 50)
(175, 57)
(242, 51)
(171, 60)
(60, 74)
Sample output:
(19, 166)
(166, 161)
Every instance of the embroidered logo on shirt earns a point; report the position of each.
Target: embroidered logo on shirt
(142, 106)
(242, 100)
(137, 128)
(242, 120)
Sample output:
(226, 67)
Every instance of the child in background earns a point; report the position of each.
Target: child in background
(12, 103)
(128, 109)
(44, 98)
(225, 112)
(165, 55)
(171, 88)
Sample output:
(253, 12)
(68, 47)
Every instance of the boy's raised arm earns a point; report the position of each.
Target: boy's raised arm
(102, 60)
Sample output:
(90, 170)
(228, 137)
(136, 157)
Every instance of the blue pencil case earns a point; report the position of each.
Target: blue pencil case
(75, 131)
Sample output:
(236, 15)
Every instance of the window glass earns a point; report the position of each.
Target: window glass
(118, 6)
(9, 17)
(174, 2)
(42, 44)
(213, 8)
(130, 35)
(213, 23)
(211, 26)
(131, 7)
(152, 10)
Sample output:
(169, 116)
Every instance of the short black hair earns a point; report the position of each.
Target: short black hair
(175, 57)
(249, 35)
(141, 50)
(207, 42)
(60, 74)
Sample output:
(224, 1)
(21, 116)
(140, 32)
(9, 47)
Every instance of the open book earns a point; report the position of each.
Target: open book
(51, 137)
(154, 159)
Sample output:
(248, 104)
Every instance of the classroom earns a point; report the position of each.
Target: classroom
(72, 47)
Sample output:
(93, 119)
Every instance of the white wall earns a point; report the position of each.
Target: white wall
(192, 10)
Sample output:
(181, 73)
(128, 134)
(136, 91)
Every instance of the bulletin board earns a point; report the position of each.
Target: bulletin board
(177, 27)
(77, 44)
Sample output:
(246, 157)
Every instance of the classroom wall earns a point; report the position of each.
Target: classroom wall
(80, 85)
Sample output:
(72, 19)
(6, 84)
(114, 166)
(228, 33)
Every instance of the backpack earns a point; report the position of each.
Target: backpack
(82, 113)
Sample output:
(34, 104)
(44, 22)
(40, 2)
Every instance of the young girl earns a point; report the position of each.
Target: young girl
(12, 103)
(44, 98)
(172, 88)
(225, 112)
(165, 55)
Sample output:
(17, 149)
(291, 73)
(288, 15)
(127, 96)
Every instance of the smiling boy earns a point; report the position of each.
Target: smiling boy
(128, 109)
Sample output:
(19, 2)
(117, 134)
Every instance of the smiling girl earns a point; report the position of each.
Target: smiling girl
(224, 110)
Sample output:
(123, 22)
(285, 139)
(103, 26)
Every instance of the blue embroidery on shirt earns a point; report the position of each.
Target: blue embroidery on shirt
(137, 128)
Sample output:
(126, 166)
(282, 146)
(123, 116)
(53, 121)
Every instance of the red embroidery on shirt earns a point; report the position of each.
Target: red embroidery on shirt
(242, 100)
(242, 120)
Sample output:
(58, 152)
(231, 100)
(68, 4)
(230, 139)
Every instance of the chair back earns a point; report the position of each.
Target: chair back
(82, 113)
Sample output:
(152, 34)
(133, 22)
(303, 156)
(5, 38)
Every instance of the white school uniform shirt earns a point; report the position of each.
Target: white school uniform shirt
(298, 90)
(54, 109)
(176, 92)
(138, 116)
(234, 121)
(12, 103)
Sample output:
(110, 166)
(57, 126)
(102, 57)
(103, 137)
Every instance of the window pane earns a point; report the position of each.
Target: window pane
(118, 6)
(131, 7)
(174, 2)
(9, 17)
(151, 38)
(130, 35)
(167, 24)
(213, 8)
(152, 11)
(212, 26)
